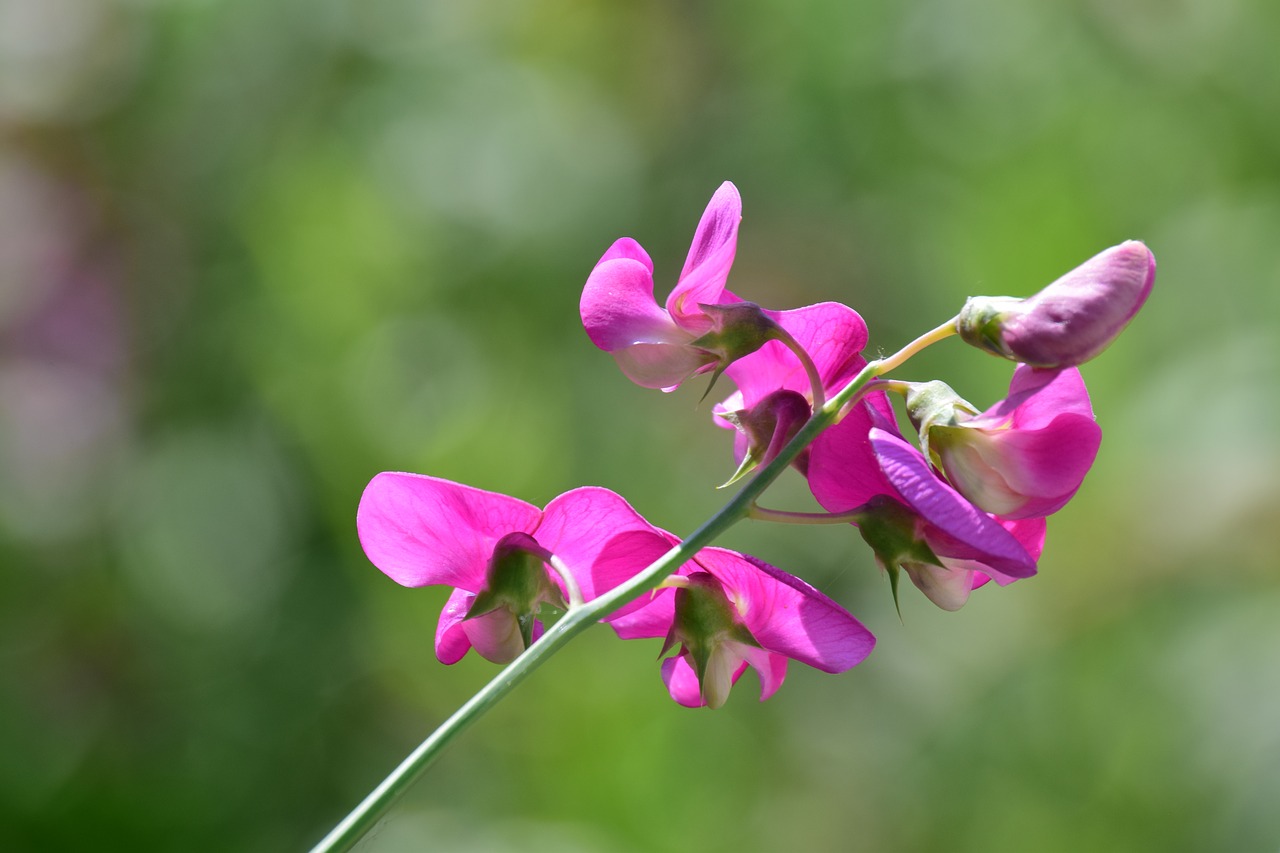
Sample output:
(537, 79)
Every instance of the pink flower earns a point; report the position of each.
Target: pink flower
(729, 611)
(495, 550)
(660, 347)
(911, 518)
(775, 393)
(1025, 456)
(1073, 319)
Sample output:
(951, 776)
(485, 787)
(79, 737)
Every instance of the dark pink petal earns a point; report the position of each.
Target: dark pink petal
(422, 530)
(1030, 533)
(1036, 397)
(625, 247)
(706, 270)
(602, 540)
(618, 308)
(843, 470)
(945, 508)
(787, 615)
(653, 617)
(682, 681)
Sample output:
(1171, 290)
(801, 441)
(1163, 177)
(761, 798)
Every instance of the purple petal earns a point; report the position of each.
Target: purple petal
(706, 270)
(602, 540)
(422, 530)
(788, 616)
(452, 643)
(618, 308)
(945, 508)
(772, 668)
(653, 617)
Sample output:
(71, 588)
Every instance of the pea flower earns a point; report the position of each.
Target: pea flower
(495, 551)
(775, 391)
(912, 519)
(728, 611)
(703, 326)
(1026, 455)
(1073, 319)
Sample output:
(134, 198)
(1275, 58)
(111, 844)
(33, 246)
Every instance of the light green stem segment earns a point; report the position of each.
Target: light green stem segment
(353, 827)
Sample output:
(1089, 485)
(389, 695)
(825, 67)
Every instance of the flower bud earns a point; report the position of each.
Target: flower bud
(768, 427)
(1073, 319)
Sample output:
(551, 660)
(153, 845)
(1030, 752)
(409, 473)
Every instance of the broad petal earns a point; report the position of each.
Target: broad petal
(649, 616)
(706, 269)
(662, 366)
(422, 530)
(618, 308)
(601, 539)
(787, 615)
(945, 508)
(843, 470)
(682, 681)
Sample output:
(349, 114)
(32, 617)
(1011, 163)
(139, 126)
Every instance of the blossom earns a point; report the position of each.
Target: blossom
(728, 611)
(494, 550)
(703, 325)
(1070, 321)
(774, 396)
(913, 519)
(1026, 455)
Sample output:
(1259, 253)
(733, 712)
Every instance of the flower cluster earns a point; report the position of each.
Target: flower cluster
(963, 505)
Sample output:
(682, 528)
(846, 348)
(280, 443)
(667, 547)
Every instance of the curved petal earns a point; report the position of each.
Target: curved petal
(833, 335)
(600, 538)
(625, 247)
(652, 616)
(843, 470)
(945, 508)
(618, 308)
(452, 643)
(682, 681)
(706, 269)
(772, 668)
(1036, 397)
(422, 530)
(662, 366)
(787, 615)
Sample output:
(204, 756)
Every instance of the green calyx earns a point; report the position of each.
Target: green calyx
(739, 329)
(517, 580)
(981, 323)
(705, 621)
(893, 532)
(934, 408)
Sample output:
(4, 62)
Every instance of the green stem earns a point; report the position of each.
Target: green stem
(353, 827)
(760, 513)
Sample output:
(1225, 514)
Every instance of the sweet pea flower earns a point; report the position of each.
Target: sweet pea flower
(775, 391)
(703, 326)
(495, 551)
(912, 519)
(1022, 458)
(1073, 319)
(728, 611)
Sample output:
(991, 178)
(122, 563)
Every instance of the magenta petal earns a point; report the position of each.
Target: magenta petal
(627, 248)
(772, 668)
(945, 508)
(706, 270)
(649, 616)
(452, 643)
(1036, 397)
(618, 308)
(787, 615)
(682, 681)
(602, 540)
(843, 470)
(422, 530)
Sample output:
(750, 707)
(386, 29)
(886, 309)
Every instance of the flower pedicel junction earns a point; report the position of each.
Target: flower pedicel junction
(964, 505)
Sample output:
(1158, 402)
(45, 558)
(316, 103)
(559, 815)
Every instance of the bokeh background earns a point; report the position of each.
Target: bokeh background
(253, 252)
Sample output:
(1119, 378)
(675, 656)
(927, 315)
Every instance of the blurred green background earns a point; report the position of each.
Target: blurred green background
(254, 252)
